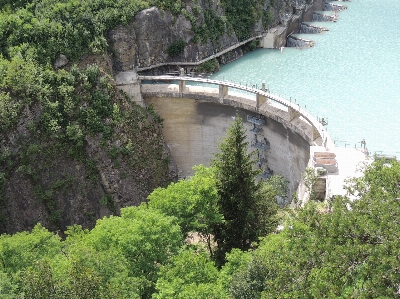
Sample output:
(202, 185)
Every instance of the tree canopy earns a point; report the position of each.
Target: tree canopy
(346, 249)
(246, 211)
(193, 202)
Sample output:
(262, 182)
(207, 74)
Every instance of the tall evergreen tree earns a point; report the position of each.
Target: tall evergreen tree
(239, 194)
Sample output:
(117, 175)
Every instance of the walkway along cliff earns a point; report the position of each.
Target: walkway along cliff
(143, 45)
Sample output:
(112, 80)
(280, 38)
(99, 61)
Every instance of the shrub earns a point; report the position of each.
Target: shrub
(176, 47)
(9, 110)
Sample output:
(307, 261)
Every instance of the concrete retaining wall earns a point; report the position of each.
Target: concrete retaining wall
(276, 37)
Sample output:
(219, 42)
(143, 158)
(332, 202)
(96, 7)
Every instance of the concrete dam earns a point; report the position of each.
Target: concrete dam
(198, 111)
(196, 119)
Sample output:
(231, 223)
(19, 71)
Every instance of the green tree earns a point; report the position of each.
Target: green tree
(190, 275)
(146, 238)
(194, 202)
(239, 194)
(37, 281)
(23, 249)
(8, 290)
(349, 251)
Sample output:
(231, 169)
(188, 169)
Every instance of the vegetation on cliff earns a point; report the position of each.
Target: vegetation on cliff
(69, 140)
(61, 131)
(54, 118)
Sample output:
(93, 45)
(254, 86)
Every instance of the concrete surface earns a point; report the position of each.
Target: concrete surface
(129, 83)
(196, 119)
(193, 129)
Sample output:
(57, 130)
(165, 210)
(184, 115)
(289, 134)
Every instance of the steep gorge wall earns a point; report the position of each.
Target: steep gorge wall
(145, 41)
(76, 175)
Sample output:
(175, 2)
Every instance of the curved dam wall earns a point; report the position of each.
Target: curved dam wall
(196, 122)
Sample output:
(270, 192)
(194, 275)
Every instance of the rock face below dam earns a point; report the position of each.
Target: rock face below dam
(193, 128)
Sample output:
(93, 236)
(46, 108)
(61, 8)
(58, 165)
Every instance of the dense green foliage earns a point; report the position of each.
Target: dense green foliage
(176, 47)
(119, 258)
(242, 15)
(246, 211)
(349, 249)
(212, 29)
(47, 28)
(190, 275)
(193, 202)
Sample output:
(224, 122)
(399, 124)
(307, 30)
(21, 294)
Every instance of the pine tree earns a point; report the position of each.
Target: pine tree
(239, 194)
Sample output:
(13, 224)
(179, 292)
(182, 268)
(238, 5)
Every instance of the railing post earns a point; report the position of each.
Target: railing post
(182, 86)
(260, 99)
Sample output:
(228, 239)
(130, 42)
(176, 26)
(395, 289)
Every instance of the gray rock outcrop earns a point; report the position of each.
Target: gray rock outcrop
(61, 61)
(145, 40)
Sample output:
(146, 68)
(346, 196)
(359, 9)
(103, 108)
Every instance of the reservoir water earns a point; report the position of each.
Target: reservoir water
(351, 77)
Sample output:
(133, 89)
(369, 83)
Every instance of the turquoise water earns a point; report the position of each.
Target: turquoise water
(351, 76)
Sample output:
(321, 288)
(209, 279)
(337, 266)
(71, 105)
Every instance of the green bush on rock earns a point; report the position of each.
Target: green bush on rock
(176, 48)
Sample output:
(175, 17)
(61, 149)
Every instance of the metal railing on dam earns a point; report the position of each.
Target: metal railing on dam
(262, 100)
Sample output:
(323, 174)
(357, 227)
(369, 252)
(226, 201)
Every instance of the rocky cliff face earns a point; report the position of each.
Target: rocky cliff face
(145, 41)
(45, 184)
(59, 180)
